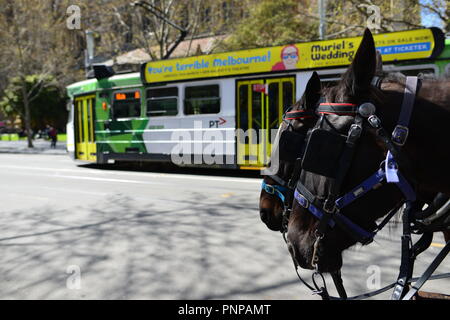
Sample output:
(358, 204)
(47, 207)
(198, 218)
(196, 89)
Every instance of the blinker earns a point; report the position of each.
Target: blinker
(291, 145)
(323, 151)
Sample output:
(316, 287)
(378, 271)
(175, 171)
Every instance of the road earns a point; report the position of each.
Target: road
(80, 232)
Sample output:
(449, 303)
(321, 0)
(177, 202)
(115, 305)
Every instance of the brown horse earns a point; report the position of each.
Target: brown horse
(299, 119)
(427, 167)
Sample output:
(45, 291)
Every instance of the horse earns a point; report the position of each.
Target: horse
(275, 192)
(319, 230)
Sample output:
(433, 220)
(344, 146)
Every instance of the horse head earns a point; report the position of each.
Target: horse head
(345, 149)
(287, 146)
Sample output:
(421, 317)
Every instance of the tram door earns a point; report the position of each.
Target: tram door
(85, 148)
(260, 107)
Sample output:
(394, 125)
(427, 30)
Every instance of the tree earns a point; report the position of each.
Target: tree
(346, 18)
(271, 23)
(46, 107)
(35, 41)
(125, 27)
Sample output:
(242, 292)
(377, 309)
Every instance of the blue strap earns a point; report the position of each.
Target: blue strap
(312, 208)
(359, 233)
(275, 189)
(361, 189)
(406, 188)
(371, 182)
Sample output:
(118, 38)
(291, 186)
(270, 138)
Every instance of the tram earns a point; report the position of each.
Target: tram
(221, 110)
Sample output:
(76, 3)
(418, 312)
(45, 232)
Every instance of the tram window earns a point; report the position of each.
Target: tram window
(288, 95)
(243, 107)
(162, 102)
(202, 100)
(126, 104)
(274, 102)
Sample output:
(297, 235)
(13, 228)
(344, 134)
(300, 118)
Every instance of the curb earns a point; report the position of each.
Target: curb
(39, 148)
(35, 151)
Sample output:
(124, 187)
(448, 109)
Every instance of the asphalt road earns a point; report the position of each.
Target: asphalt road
(80, 232)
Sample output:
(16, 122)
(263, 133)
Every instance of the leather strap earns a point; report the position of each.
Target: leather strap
(401, 131)
(298, 114)
(436, 262)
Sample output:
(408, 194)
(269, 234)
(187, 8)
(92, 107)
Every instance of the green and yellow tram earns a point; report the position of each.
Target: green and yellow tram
(221, 110)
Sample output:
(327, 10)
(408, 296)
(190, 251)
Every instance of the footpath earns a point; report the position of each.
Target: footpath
(40, 147)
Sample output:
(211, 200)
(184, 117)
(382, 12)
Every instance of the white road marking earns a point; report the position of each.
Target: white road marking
(142, 174)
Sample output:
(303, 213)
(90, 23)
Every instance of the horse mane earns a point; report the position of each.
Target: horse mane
(400, 78)
(391, 81)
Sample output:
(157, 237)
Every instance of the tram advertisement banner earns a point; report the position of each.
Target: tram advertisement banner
(395, 46)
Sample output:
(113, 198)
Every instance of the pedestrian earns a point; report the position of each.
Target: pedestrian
(53, 135)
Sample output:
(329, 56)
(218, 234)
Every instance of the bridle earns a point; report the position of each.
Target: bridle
(328, 211)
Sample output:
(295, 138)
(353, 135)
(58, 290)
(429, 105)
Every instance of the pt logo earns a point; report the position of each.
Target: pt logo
(217, 123)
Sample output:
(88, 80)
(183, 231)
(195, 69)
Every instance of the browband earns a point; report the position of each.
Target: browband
(299, 114)
(340, 109)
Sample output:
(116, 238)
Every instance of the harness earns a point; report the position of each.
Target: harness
(339, 151)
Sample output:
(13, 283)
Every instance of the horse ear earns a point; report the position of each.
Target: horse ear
(362, 69)
(312, 91)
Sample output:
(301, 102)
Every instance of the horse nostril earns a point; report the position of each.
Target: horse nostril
(264, 213)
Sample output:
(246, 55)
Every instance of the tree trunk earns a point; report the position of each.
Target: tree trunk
(26, 105)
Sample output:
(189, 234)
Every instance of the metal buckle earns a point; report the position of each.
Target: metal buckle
(399, 135)
(354, 133)
(269, 189)
(329, 206)
(303, 201)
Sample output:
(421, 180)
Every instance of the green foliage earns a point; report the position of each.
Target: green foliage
(47, 106)
(271, 23)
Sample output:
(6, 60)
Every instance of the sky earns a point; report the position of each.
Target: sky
(430, 19)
